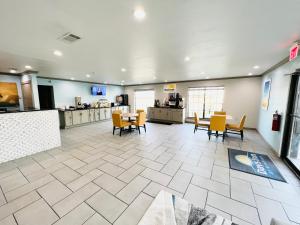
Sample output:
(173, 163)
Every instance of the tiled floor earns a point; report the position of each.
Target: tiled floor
(97, 178)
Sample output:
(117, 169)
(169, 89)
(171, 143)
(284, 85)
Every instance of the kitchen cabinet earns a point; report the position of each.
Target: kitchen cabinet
(83, 116)
(68, 119)
(102, 114)
(150, 113)
(92, 115)
(107, 113)
(166, 114)
(97, 114)
(177, 115)
(76, 117)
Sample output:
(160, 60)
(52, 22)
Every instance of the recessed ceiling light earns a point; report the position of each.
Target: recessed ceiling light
(88, 75)
(139, 13)
(250, 74)
(105, 82)
(206, 77)
(13, 71)
(72, 78)
(28, 67)
(187, 59)
(123, 70)
(202, 73)
(57, 53)
(256, 67)
(166, 80)
(122, 81)
(154, 78)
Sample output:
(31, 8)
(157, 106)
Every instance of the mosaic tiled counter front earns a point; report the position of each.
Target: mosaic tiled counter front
(26, 133)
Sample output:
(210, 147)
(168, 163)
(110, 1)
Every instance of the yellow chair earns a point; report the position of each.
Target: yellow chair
(118, 123)
(140, 110)
(200, 124)
(218, 124)
(219, 113)
(140, 121)
(237, 128)
(117, 112)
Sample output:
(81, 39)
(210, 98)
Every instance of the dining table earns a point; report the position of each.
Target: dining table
(131, 117)
(228, 117)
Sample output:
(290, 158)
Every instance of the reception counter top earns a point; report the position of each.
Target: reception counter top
(26, 133)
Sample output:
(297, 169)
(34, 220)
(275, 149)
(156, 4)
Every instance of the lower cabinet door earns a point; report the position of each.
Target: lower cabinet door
(97, 114)
(177, 116)
(102, 114)
(169, 115)
(92, 115)
(107, 113)
(68, 119)
(85, 116)
(76, 115)
(164, 114)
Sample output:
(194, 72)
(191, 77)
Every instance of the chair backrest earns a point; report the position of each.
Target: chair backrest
(116, 118)
(219, 113)
(141, 118)
(217, 122)
(117, 112)
(242, 122)
(196, 118)
(140, 110)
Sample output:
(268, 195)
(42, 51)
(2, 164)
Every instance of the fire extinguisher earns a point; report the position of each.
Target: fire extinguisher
(276, 121)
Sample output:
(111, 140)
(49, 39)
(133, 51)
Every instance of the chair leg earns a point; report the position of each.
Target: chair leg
(242, 135)
(224, 136)
(145, 127)
(139, 129)
(121, 129)
(114, 130)
(217, 133)
(195, 129)
(209, 134)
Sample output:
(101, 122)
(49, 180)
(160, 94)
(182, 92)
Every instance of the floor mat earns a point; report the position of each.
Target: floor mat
(254, 163)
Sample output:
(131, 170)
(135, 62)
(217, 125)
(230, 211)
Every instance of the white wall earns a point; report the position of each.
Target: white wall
(280, 85)
(242, 96)
(17, 80)
(65, 91)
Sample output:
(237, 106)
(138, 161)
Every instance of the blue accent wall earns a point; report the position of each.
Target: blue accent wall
(66, 91)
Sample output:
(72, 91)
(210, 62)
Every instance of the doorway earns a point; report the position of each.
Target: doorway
(291, 137)
(46, 96)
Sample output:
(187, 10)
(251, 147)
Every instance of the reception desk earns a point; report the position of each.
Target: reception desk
(26, 133)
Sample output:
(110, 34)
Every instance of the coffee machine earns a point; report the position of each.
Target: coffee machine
(78, 104)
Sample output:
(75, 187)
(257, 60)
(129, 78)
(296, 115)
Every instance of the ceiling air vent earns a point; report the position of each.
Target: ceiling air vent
(69, 38)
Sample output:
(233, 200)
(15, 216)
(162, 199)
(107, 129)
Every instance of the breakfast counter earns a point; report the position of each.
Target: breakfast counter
(71, 118)
(166, 114)
(26, 133)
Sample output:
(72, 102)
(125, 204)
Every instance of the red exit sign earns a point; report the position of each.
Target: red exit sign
(294, 52)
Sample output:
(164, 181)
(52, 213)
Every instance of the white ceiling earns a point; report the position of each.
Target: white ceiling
(223, 38)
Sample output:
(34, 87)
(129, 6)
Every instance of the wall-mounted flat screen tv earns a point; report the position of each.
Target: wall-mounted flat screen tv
(98, 90)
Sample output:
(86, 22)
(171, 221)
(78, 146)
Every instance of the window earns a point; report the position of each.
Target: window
(143, 99)
(205, 100)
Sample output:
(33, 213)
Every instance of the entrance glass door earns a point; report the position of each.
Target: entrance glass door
(291, 141)
(294, 149)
